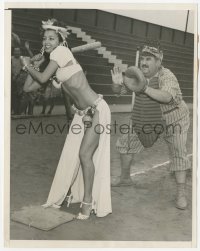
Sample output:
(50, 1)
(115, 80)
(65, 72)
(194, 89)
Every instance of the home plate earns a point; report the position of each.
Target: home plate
(41, 218)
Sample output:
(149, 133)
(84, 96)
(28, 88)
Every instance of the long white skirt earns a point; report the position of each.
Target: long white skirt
(69, 166)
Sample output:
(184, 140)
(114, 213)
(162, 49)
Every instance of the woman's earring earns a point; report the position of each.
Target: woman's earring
(64, 43)
(42, 51)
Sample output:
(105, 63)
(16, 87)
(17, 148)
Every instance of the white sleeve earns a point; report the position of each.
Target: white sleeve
(61, 55)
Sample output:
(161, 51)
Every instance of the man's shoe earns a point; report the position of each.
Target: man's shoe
(181, 201)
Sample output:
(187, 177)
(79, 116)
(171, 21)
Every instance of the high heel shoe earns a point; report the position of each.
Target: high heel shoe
(68, 199)
(81, 216)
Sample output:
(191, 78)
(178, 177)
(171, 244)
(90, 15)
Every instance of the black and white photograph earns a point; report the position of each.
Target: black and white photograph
(101, 125)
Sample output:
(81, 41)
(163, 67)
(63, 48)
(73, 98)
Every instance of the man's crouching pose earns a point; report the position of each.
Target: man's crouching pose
(158, 102)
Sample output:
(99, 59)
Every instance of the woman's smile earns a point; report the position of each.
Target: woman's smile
(50, 40)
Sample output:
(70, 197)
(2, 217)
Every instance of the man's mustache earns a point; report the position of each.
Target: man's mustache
(145, 66)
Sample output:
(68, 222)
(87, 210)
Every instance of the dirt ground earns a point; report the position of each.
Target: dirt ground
(142, 212)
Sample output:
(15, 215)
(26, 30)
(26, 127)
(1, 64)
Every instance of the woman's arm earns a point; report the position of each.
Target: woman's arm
(42, 77)
(158, 95)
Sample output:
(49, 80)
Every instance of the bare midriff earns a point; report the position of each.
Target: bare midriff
(78, 89)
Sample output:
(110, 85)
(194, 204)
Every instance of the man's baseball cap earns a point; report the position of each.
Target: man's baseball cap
(152, 51)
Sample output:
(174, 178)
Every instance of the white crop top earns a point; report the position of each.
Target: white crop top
(62, 56)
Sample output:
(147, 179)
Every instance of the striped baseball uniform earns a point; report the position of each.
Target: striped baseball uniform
(169, 120)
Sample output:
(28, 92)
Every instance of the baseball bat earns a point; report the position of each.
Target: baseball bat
(86, 47)
(81, 48)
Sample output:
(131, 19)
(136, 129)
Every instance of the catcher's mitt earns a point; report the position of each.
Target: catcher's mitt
(140, 83)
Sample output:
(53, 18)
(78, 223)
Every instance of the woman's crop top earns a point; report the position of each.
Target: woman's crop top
(62, 56)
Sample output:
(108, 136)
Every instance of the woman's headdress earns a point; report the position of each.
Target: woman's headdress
(49, 24)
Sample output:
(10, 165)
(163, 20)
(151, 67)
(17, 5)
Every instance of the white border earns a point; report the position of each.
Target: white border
(57, 244)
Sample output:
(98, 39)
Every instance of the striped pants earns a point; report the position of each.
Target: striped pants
(175, 135)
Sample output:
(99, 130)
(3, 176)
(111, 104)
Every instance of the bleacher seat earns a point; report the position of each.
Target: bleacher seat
(178, 58)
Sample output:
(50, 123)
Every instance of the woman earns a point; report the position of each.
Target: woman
(84, 165)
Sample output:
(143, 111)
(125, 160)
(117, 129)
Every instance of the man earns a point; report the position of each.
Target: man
(160, 96)
(15, 71)
(18, 103)
(15, 41)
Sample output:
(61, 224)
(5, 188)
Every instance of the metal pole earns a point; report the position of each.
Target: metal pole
(137, 65)
(187, 21)
(137, 57)
(186, 25)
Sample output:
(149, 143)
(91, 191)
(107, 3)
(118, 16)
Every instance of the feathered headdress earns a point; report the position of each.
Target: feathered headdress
(64, 32)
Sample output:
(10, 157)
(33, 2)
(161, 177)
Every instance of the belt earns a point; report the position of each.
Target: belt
(173, 109)
(84, 112)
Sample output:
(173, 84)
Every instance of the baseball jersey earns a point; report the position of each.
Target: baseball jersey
(176, 108)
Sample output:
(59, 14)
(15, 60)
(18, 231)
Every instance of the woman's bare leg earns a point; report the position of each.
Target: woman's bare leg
(88, 146)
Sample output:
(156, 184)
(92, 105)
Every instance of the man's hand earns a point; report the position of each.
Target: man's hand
(117, 80)
(117, 77)
(26, 45)
(135, 80)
